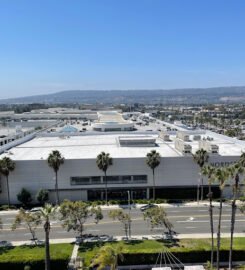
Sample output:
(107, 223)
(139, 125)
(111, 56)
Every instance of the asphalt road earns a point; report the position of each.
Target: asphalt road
(186, 220)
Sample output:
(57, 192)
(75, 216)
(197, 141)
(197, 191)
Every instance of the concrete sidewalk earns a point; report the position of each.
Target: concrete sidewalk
(137, 206)
(134, 237)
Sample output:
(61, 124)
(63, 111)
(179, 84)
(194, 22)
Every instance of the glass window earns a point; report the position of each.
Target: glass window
(80, 180)
(140, 178)
(111, 179)
(95, 179)
(126, 178)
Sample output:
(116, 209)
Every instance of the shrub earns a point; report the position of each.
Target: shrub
(6, 207)
(24, 196)
(158, 201)
(242, 198)
(42, 196)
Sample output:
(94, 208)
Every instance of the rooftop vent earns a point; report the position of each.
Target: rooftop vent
(137, 141)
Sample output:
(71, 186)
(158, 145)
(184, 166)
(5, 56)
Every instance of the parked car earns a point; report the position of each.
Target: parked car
(35, 209)
(147, 206)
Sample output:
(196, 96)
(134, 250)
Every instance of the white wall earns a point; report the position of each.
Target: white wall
(34, 175)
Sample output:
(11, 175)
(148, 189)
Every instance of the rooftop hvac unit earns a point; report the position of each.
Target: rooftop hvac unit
(209, 146)
(196, 137)
(183, 147)
(164, 136)
(183, 136)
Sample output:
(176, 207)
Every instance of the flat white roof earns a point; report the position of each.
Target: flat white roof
(88, 146)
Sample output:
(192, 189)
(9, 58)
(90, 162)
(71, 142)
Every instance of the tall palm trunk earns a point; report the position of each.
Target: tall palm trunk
(198, 191)
(7, 180)
(210, 194)
(219, 229)
(233, 214)
(154, 185)
(201, 188)
(56, 188)
(47, 251)
(233, 219)
(106, 189)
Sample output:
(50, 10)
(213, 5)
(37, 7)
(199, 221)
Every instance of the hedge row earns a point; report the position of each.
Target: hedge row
(34, 265)
(184, 257)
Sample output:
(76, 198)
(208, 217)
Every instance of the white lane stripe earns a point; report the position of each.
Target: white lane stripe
(200, 221)
(190, 227)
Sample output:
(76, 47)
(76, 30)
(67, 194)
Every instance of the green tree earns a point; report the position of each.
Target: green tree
(153, 160)
(209, 172)
(7, 165)
(42, 196)
(158, 218)
(29, 220)
(200, 157)
(108, 256)
(221, 176)
(103, 162)
(24, 196)
(55, 160)
(45, 214)
(124, 218)
(74, 214)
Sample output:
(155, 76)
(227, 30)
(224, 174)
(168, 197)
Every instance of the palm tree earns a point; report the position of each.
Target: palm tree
(108, 256)
(235, 172)
(209, 171)
(55, 159)
(221, 175)
(200, 157)
(7, 165)
(45, 213)
(153, 160)
(103, 162)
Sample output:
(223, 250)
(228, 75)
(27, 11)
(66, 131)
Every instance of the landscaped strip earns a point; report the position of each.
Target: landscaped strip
(187, 250)
(16, 258)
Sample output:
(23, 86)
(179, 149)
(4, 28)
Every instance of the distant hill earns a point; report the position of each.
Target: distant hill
(231, 94)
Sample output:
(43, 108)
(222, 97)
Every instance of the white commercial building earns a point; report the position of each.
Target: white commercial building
(111, 121)
(80, 179)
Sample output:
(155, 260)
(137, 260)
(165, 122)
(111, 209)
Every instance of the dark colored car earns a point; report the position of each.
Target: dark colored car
(147, 206)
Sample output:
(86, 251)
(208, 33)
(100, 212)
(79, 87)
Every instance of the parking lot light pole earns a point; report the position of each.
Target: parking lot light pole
(129, 221)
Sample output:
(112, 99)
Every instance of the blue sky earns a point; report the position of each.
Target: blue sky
(52, 45)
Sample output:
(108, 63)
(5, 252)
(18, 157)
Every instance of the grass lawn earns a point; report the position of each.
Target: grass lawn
(34, 253)
(89, 250)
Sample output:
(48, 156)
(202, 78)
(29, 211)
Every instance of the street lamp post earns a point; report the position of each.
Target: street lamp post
(129, 209)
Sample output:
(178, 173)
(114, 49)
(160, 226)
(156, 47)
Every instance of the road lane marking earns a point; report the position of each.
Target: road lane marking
(200, 221)
(136, 219)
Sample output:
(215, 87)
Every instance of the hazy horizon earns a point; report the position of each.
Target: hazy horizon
(51, 46)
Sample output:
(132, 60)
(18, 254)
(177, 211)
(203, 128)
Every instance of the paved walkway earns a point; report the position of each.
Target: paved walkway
(72, 263)
(134, 237)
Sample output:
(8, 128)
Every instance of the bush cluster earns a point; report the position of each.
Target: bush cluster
(139, 201)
